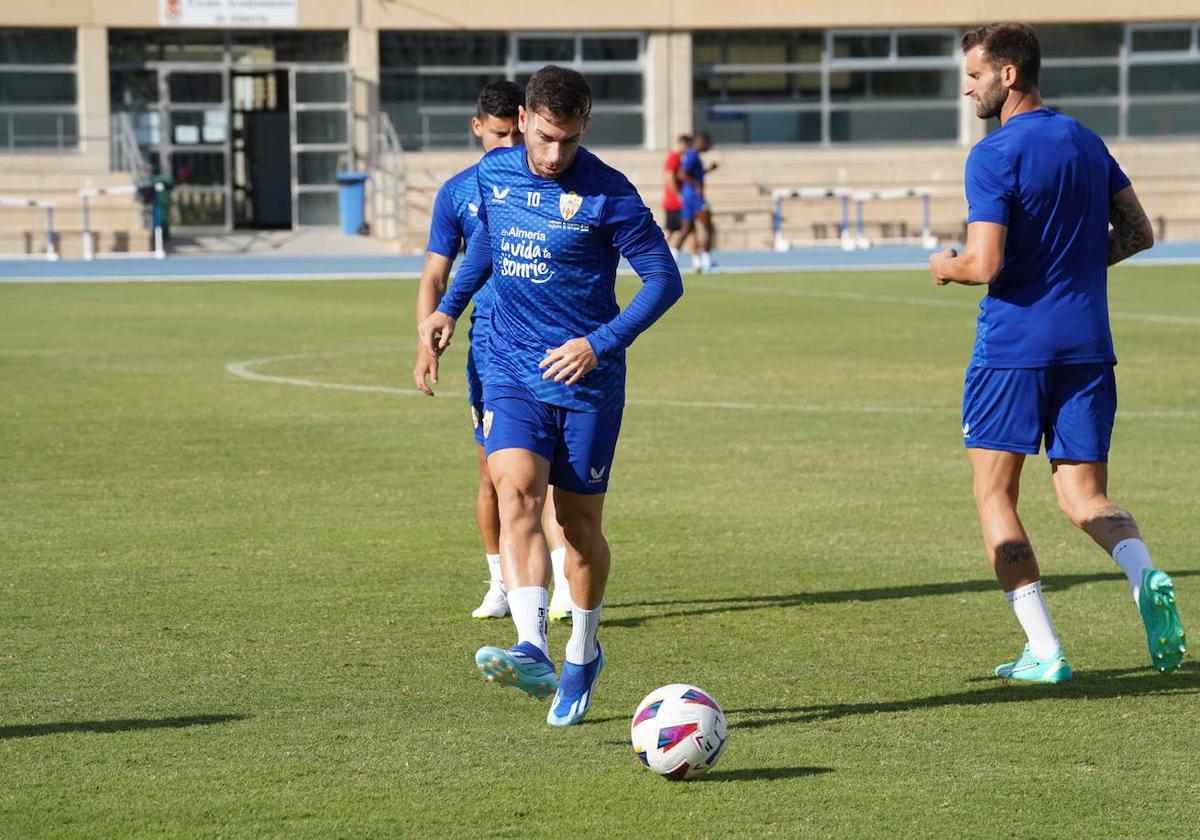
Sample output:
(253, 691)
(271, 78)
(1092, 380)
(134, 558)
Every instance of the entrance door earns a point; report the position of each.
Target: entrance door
(262, 163)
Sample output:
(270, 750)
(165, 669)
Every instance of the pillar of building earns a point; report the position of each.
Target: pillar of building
(91, 63)
(668, 87)
(364, 94)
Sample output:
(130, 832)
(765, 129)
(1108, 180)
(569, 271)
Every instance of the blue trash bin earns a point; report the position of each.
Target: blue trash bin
(351, 198)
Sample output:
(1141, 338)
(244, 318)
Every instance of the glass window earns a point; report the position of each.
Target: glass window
(925, 44)
(1173, 39)
(454, 89)
(1080, 81)
(321, 127)
(132, 89)
(320, 87)
(318, 208)
(318, 167)
(533, 49)
(869, 85)
(614, 129)
(1164, 120)
(134, 46)
(873, 126)
(37, 46)
(326, 47)
(610, 49)
(1102, 119)
(1164, 78)
(851, 45)
(21, 88)
(195, 87)
(198, 168)
(1080, 40)
(41, 130)
(196, 128)
(732, 126)
(616, 88)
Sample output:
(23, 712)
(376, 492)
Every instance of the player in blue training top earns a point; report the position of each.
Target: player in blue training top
(454, 219)
(553, 224)
(695, 205)
(1042, 191)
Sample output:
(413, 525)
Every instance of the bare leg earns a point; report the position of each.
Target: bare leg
(588, 557)
(997, 487)
(487, 510)
(1082, 489)
(521, 477)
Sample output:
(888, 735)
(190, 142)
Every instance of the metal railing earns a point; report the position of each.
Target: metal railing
(126, 154)
(389, 196)
(51, 251)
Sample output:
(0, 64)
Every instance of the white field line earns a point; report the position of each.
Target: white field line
(244, 370)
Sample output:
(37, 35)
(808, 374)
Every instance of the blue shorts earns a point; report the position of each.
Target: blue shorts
(578, 444)
(1011, 409)
(693, 204)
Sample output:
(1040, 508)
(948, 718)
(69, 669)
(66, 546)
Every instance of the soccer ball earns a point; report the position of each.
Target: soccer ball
(678, 731)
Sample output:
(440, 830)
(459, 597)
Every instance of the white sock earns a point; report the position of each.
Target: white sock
(706, 260)
(558, 560)
(696, 263)
(528, 608)
(674, 254)
(1030, 607)
(494, 574)
(1134, 558)
(581, 647)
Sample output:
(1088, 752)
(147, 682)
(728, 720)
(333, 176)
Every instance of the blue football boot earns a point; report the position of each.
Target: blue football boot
(522, 666)
(575, 689)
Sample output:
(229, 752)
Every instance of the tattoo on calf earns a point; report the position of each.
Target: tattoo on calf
(1012, 553)
(1116, 518)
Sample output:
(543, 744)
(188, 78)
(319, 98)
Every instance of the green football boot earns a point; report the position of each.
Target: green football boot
(1029, 668)
(1165, 636)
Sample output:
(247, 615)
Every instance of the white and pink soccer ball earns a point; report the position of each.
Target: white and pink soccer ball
(678, 731)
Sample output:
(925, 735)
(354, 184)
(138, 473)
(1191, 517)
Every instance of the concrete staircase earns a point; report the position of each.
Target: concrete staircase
(1166, 176)
(116, 221)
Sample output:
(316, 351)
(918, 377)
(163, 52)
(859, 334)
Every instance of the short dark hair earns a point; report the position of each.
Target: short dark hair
(703, 134)
(685, 138)
(1008, 43)
(564, 93)
(499, 99)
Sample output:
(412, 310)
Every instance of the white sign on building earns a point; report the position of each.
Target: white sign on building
(227, 13)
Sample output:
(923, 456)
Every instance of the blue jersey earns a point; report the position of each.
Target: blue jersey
(455, 217)
(694, 167)
(1049, 180)
(551, 247)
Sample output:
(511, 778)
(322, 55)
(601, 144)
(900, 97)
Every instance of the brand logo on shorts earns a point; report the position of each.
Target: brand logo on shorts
(569, 204)
(966, 429)
(474, 417)
(487, 423)
(597, 474)
(499, 194)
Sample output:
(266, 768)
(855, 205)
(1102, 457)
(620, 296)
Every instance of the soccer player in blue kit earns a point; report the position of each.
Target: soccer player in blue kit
(1042, 191)
(695, 205)
(553, 223)
(454, 220)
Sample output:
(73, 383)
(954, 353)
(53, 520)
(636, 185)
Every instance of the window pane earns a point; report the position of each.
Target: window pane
(1079, 81)
(617, 88)
(321, 126)
(455, 89)
(760, 127)
(141, 45)
(18, 88)
(479, 49)
(1156, 120)
(195, 87)
(448, 131)
(310, 46)
(38, 131)
(707, 48)
(318, 167)
(318, 208)
(868, 85)
(614, 130)
(1164, 78)
(199, 168)
(610, 49)
(399, 87)
(198, 128)
(130, 89)
(320, 87)
(1102, 119)
(545, 49)
(757, 48)
(1162, 40)
(861, 46)
(147, 128)
(925, 43)
(870, 126)
(1080, 40)
(198, 207)
(37, 46)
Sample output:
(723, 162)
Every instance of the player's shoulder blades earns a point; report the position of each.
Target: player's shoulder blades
(600, 176)
(501, 159)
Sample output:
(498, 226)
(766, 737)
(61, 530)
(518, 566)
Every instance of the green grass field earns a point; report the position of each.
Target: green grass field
(240, 608)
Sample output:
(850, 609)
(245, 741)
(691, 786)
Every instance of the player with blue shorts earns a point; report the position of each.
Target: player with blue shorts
(454, 219)
(695, 213)
(1042, 191)
(553, 224)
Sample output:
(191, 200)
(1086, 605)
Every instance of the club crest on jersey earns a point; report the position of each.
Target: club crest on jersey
(487, 423)
(569, 204)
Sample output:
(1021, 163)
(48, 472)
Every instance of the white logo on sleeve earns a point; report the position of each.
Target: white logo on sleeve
(474, 208)
(499, 194)
(597, 474)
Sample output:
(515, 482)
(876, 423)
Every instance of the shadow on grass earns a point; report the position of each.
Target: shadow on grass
(761, 774)
(36, 730)
(1089, 685)
(709, 606)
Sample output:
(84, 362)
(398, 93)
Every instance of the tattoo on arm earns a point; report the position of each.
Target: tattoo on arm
(1129, 232)
(1116, 519)
(1012, 553)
